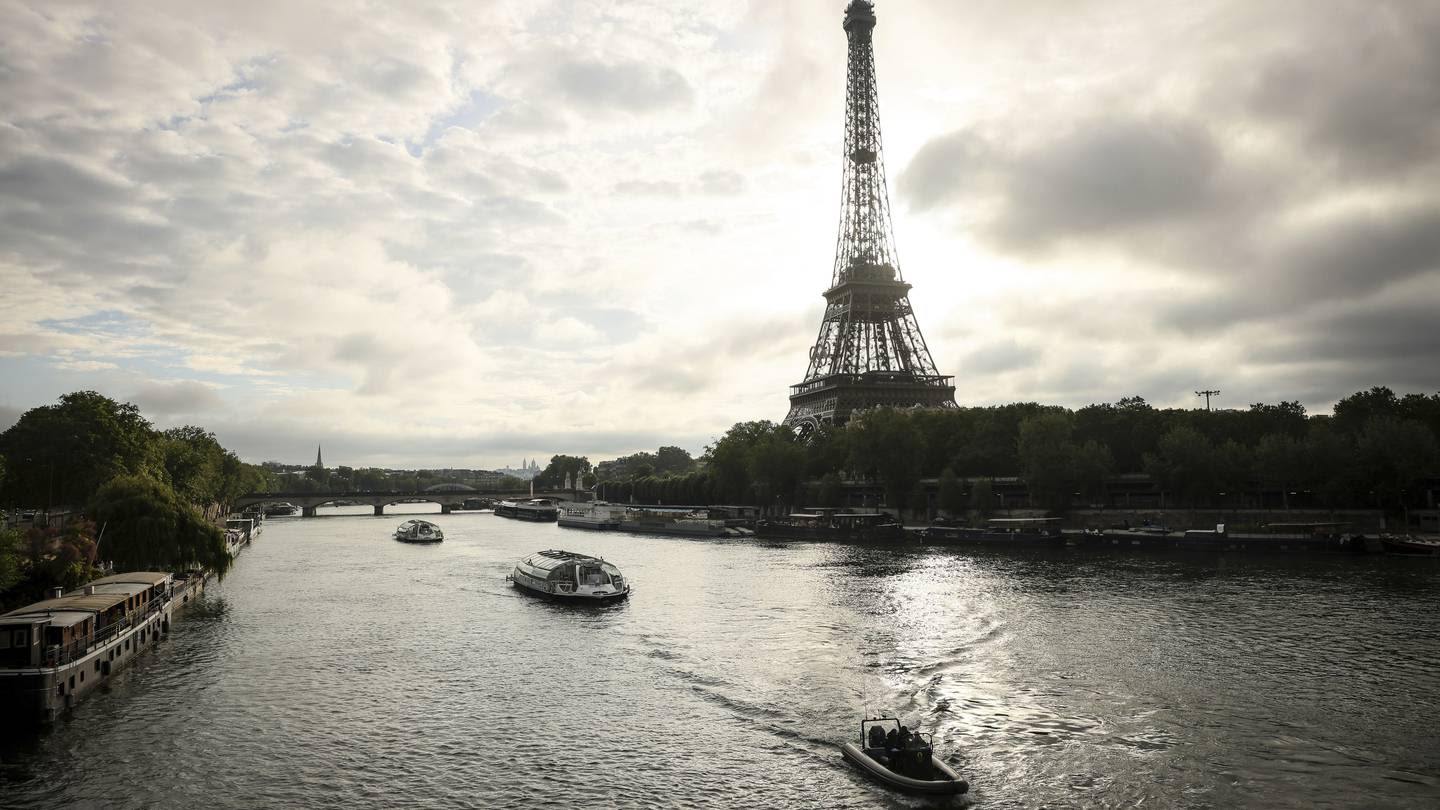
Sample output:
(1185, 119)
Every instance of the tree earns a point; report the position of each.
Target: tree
(730, 459)
(673, 461)
(61, 454)
(147, 527)
(1047, 458)
(1395, 454)
(1356, 411)
(560, 468)
(12, 559)
(1280, 462)
(1184, 463)
(886, 444)
(776, 463)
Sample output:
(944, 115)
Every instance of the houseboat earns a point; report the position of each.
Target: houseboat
(568, 576)
(594, 515)
(682, 522)
(418, 531)
(1008, 532)
(537, 509)
(829, 524)
(56, 651)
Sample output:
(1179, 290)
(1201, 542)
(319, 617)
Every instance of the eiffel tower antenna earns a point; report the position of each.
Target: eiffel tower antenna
(870, 351)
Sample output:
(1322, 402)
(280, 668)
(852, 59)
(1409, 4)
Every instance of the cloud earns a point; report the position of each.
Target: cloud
(435, 222)
(629, 87)
(180, 398)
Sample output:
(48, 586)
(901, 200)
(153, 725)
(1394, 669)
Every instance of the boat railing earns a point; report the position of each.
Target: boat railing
(59, 655)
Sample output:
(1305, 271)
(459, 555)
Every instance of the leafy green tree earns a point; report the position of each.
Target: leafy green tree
(12, 559)
(886, 444)
(1185, 464)
(1280, 462)
(1047, 458)
(1395, 455)
(730, 459)
(561, 467)
(61, 454)
(776, 463)
(145, 526)
(62, 557)
(1356, 411)
(673, 461)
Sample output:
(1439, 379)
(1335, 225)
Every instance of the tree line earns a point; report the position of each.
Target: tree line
(1376, 449)
(148, 498)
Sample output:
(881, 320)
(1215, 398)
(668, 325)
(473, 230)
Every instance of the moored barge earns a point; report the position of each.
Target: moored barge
(595, 515)
(538, 509)
(828, 524)
(55, 651)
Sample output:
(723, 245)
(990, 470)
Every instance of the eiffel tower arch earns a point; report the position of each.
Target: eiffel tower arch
(870, 352)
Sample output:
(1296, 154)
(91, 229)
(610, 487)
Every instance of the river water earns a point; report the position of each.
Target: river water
(336, 667)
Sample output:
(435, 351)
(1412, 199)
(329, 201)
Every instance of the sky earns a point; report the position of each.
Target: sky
(467, 233)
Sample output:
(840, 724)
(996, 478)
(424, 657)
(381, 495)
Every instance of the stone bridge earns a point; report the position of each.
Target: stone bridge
(449, 500)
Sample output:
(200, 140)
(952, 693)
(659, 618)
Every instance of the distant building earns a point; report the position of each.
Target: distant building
(528, 470)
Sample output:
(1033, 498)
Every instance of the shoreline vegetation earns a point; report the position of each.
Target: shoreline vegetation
(138, 497)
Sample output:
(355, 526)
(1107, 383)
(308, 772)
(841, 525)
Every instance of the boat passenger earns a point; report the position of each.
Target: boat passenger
(917, 759)
(877, 737)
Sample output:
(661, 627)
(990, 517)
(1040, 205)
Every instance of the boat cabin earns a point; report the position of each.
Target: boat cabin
(58, 628)
(565, 571)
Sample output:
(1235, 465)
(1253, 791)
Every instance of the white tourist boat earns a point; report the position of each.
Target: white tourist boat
(569, 576)
(419, 531)
(594, 515)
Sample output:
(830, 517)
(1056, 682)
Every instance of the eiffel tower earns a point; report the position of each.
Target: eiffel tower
(870, 351)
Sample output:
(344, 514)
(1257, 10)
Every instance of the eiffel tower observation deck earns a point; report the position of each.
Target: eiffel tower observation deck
(870, 351)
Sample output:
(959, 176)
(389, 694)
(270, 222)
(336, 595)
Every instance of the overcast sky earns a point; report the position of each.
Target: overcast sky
(464, 233)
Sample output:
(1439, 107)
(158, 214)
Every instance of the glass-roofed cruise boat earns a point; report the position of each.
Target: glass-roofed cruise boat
(569, 576)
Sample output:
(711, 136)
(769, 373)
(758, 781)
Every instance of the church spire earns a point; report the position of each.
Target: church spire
(319, 463)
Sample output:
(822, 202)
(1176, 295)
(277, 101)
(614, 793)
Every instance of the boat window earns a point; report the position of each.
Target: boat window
(589, 575)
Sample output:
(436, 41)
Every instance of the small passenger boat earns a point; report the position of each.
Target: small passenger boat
(418, 531)
(911, 765)
(568, 576)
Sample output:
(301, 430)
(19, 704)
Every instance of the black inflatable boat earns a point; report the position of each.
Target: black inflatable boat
(911, 765)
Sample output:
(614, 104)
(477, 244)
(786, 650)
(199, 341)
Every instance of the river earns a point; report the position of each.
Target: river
(336, 667)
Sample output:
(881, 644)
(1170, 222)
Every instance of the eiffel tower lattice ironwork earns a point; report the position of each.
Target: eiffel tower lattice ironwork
(870, 351)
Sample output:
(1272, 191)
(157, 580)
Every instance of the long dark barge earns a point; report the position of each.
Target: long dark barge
(54, 652)
(1281, 538)
(829, 524)
(541, 510)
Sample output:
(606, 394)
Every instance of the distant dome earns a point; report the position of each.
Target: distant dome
(450, 488)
